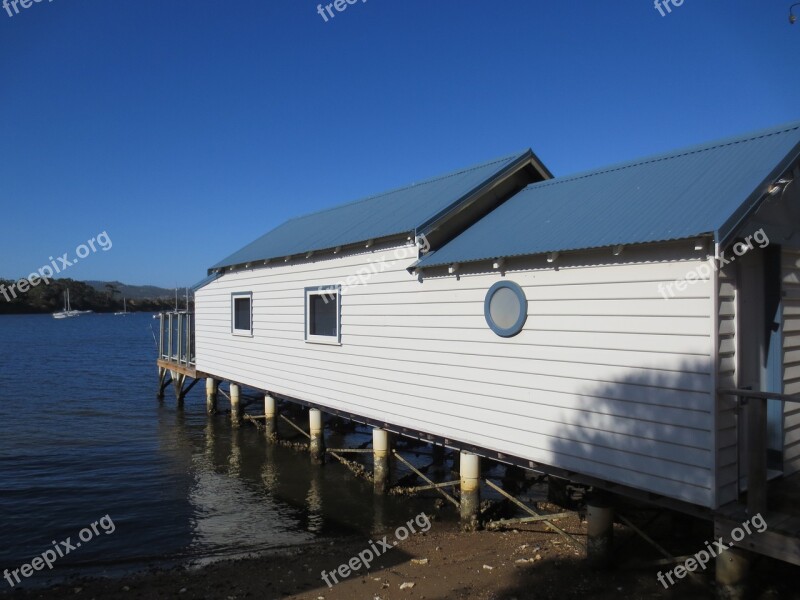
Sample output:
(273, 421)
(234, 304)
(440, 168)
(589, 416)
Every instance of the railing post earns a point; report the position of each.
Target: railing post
(178, 357)
(757, 455)
(169, 336)
(189, 339)
(161, 335)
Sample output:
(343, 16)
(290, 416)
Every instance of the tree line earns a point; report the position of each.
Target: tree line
(50, 298)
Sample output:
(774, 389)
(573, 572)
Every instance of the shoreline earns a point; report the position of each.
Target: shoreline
(443, 562)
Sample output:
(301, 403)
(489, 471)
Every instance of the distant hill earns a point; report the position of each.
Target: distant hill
(98, 296)
(134, 292)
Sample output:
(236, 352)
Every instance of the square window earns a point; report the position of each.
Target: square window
(242, 313)
(322, 315)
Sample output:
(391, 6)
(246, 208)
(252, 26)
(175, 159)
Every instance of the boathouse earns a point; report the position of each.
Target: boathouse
(636, 327)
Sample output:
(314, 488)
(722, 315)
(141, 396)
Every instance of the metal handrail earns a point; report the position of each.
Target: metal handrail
(756, 438)
(176, 337)
(760, 395)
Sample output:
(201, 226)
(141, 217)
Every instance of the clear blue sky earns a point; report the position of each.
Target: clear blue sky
(187, 128)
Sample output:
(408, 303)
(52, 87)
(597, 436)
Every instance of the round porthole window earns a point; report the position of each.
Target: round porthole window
(506, 308)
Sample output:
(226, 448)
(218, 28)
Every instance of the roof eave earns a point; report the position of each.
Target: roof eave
(467, 200)
(730, 229)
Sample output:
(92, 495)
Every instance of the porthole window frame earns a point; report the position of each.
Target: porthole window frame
(516, 328)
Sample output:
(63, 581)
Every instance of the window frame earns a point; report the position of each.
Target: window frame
(322, 290)
(240, 296)
(517, 327)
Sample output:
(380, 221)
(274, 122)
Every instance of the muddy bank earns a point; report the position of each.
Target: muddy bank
(441, 563)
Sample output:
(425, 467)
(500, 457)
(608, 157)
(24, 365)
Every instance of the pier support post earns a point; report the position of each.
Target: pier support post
(437, 455)
(380, 455)
(270, 416)
(162, 382)
(317, 445)
(733, 570)
(470, 469)
(600, 530)
(236, 405)
(211, 395)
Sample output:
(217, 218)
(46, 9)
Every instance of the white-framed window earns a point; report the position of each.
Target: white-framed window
(242, 313)
(323, 316)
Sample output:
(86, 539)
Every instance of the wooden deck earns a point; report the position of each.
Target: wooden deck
(181, 368)
(781, 539)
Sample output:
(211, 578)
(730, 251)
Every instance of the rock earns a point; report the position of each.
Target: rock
(419, 561)
(182, 591)
(407, 585)
(78, 590)
(487, 567)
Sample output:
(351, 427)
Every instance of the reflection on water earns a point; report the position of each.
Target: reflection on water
(88, 438)
(314, 501)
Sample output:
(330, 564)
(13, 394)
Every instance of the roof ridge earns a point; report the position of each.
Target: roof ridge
(678, 153)
(406, 187)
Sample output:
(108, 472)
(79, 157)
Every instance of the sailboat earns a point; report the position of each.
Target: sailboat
(67, 312)
(124, 312)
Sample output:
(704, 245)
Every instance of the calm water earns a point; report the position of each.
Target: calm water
(83, 436)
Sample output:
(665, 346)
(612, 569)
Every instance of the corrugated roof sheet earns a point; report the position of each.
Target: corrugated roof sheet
(395, 212)
(699, 190)
(205, 281)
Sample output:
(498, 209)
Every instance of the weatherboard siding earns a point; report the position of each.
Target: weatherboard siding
(727, 417)
(791, 357)
(607, 379)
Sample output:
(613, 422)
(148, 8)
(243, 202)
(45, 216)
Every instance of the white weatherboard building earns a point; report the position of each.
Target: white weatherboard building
(577, 325)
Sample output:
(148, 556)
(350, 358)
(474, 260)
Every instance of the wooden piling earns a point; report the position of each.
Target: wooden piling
(732, 574)
(270, 416)
(211, 395)
(380, 456)
(470, 491)
(236, 405)
(315, 429)
(600, 534)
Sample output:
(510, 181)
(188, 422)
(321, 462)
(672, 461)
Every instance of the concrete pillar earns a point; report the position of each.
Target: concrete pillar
(317, 445)
(270, 416)
(600, 534)
(211, 395)
(733, 570)
(380, 456)
(470, 470)
(236, 405)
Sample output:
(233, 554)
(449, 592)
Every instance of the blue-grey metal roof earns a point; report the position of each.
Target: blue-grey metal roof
(205, 281)
(700, 190)
(396, 212)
